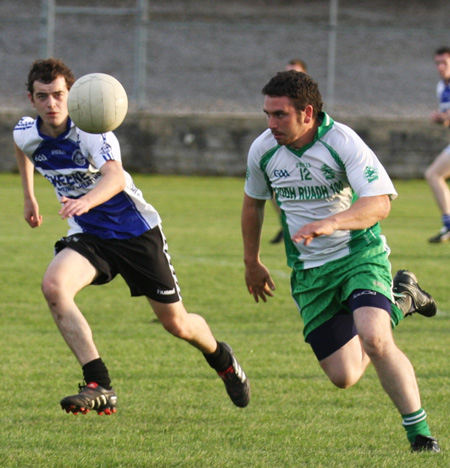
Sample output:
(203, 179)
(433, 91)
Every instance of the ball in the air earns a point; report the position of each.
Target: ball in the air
(97, 103)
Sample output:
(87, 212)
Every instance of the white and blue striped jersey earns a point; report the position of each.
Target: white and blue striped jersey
(314, 182)
(443, 95)
(71, 163)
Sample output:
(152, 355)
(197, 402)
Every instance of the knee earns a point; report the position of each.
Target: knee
(344, 381)
(430, 175)
(343, 376)
(49, 288)
(54, 291)
(176, 328)
(375, 345)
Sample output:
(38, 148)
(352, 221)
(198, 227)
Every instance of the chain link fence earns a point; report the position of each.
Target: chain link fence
(371, 59)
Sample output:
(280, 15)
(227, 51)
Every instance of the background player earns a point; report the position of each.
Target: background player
(439, 171)
(333, 192)
(297, 65)
(112, 230)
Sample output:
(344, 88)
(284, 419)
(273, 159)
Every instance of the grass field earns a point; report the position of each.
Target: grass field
(173, 411)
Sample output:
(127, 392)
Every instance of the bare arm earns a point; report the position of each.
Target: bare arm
(364, 213)
(26, 170)
(111, 183)
(257, 277)
(439, 117)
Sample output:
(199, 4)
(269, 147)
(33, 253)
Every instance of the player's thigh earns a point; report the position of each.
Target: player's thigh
(69, 271)
(374, 326)
(338, 349)
(169, 314)
(441, 165)
(346, 365)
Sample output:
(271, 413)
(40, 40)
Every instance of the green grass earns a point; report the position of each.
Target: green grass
(173, 410)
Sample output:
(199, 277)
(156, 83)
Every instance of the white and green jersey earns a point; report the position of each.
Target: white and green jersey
(315, 182)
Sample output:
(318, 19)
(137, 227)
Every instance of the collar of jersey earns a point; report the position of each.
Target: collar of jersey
(326, 122)
(59, 137)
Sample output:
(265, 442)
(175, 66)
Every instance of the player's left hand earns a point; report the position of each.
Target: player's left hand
(309, 231)
(73, 207)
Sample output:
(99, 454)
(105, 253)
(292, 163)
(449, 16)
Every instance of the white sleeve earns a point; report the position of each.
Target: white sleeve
(365, 173)
(256, 183)
(22, 131)
(100, 147)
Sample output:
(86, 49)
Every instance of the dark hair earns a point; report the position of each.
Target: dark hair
(442, 50)
(297, 86)
(47, 71)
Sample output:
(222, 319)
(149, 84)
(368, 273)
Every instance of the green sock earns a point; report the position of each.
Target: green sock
(415, 424)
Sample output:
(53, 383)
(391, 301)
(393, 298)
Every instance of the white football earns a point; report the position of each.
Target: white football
(97, 103)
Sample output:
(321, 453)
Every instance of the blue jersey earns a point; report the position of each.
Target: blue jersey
(443, 95)
(71, 162)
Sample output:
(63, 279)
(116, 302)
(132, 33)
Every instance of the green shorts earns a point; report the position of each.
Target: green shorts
(322, 292)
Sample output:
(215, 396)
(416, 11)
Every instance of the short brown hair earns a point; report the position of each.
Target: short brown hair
(47, 71)
(297, 86)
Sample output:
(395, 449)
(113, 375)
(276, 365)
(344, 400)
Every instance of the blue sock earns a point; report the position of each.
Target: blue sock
(446, 220)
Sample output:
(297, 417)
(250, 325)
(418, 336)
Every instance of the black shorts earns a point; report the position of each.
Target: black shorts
(340, 329)
(143, 262)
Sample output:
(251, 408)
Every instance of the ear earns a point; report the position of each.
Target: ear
(30, 97)
(309, 111)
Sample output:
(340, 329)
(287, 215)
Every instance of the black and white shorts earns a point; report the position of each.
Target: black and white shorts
(143, 262)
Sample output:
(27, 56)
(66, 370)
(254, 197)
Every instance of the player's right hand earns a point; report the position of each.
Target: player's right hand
(31, 214)
(259, 282)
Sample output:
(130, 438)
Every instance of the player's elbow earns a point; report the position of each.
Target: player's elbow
(119, 178)
(113, 171)
(119, 183)
(381, 208)
(122, 183)
(384, 207)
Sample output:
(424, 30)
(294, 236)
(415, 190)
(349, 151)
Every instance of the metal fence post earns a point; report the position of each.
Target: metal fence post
(47, 32)
(331, 64)
(140, 68)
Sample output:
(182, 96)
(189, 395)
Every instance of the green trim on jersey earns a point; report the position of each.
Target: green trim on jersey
(359, 238)
(263, 164)
(292, 257)
(355, 235)
(326, 176)
(326, 125)
(334, 155)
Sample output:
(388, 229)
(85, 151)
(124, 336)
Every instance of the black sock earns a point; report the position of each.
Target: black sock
(220, 359)
(96, 371)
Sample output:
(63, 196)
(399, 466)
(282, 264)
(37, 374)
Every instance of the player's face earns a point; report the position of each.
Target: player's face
(50, 102)
(442, 62)
(288, 125)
